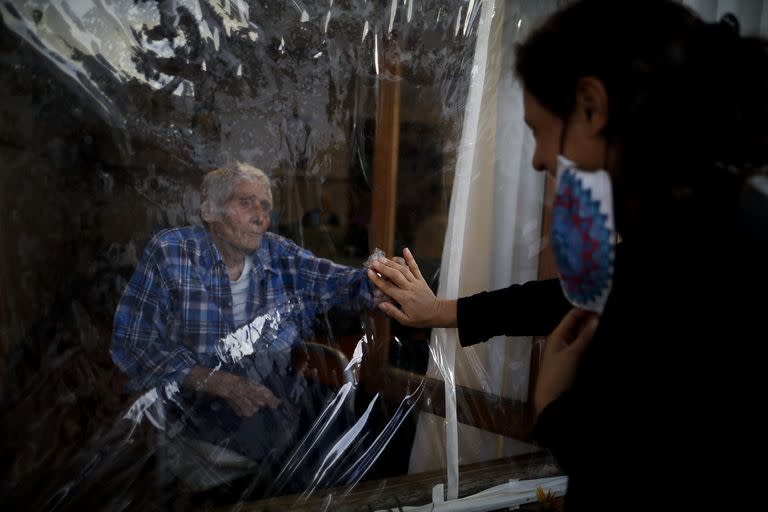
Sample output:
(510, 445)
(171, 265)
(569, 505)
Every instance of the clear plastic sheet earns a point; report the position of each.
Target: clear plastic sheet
(380, 125)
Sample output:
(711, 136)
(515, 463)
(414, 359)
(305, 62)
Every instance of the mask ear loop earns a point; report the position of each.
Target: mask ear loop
(563, 134)
(562, 137)
(616, 236)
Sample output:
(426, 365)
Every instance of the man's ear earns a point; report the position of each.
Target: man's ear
(206, 212)
(591, 105)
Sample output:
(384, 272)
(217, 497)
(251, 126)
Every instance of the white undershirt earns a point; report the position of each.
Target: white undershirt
(240, 293)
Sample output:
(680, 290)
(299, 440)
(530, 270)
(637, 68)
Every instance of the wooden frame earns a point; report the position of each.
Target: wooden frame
(384, 190)
(476, 408)
(409, 489)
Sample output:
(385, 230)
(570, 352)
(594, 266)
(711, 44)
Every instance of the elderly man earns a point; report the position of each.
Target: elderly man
(216, 310)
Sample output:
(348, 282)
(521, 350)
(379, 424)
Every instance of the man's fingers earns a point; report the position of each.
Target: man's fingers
(412, 265)
(257, 401)
(265, 397)
(245, 407)
(273, 401)
(263, 401)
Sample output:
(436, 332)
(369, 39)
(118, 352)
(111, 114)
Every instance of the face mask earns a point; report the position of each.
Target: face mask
(583, 235)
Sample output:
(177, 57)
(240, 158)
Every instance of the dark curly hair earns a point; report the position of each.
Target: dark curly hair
(686, 97)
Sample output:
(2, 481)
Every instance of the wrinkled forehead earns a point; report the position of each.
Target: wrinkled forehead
(251, 189)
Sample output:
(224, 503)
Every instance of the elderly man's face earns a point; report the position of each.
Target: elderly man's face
(245, 217)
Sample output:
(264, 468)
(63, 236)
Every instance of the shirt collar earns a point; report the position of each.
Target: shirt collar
(262, 256)
(213, 251)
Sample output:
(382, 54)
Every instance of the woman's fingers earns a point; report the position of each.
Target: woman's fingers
(574, 331)
(393, 272)
(412, 265)
(389, 288)
(398, 266)
(406, 286)
(394, 312)
(568, 327)
(586, 334)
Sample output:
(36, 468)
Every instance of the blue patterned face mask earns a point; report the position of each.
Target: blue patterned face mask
(583, 235)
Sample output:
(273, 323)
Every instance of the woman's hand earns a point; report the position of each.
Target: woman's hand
(562, 353)
(418, 305)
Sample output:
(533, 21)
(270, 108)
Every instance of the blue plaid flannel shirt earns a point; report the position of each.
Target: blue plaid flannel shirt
(177, 306)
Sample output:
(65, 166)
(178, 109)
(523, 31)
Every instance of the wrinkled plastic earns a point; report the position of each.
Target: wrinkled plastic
(112, 111)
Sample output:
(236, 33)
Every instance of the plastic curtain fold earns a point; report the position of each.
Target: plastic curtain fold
(493, 237)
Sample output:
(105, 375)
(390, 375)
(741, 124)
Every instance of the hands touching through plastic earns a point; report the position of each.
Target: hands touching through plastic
(562, 353)
(379, 296)
(419, 307)
(404, 283)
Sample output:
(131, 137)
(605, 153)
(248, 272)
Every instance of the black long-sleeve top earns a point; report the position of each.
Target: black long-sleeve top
(530, 309)
(665, 412)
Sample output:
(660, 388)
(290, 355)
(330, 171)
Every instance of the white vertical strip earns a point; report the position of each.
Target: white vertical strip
(446, 340)
(392, 12)
(764, 20)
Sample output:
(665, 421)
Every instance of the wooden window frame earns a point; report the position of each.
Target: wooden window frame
(492, 413)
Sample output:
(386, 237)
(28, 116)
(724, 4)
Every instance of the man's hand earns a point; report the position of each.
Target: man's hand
(379, 297)
(418, 305)
(562, 353)
(244, 396)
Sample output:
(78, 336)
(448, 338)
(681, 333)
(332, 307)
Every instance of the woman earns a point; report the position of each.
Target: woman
(652, 121)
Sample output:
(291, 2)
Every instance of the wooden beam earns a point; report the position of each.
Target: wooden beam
(4, 320)
(384, 191)
(11, 150)
(411, 490)
(385, 150)
(547, 265)
(493, 413)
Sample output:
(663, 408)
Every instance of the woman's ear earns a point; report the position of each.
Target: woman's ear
(205, 212)
(591, 105)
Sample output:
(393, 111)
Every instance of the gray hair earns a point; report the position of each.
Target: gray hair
(219, 184)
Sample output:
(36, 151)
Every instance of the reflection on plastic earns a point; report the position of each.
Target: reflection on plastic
(117, 108)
